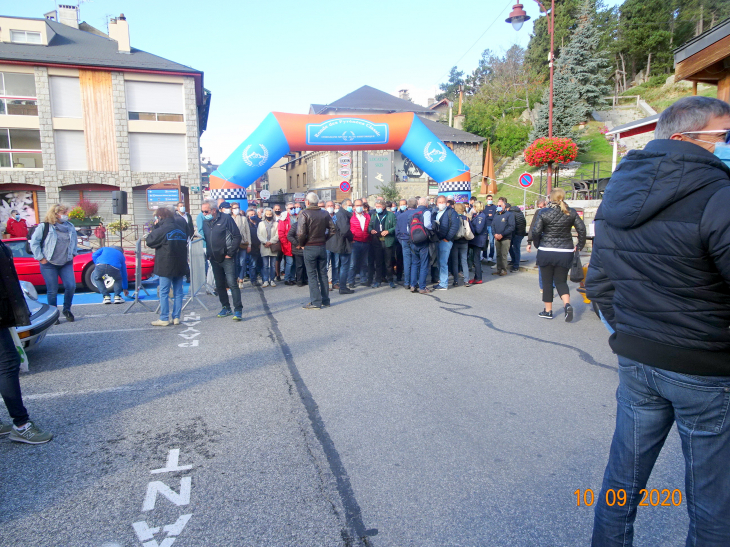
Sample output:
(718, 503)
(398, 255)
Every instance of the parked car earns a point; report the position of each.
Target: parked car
(42, 318)
(29, 269)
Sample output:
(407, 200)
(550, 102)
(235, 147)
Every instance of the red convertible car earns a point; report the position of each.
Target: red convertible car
(29, 268)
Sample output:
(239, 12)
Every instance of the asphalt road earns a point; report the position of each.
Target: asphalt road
(389, 419)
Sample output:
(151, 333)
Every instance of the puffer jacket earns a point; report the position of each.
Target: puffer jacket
(222, 237)
(479, 227)
(169, 239)
(660, 267)
(520, 222)
(283, 229)
(553, 228)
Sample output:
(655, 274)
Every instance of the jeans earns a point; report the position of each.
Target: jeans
(9, 379)
(344, 270)
(288, 268)
(444, 252)
(359, 261)
(333, 261)
(267, 272)
(419, 265)
(649, 401)
(515, 251)
(502, 247)
(177, 297)
(477, 264)
(458, 256)
(253, 266)
(400, 261)
(383, 256)
(315, 258)
(301, 269)
(51, 273)
(407, 254)
(225, 274)
(241, 263)
(490, 242)
(105, 269)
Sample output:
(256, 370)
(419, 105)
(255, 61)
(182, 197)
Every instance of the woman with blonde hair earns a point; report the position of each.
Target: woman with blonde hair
(54, 245)
(553, 237)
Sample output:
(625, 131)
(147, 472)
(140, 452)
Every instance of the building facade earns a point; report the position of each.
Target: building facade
(82, 114)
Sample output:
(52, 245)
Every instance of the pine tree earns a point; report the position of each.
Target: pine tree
(579, 81)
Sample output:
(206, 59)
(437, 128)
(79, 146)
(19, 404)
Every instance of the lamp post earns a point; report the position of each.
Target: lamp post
(517, 18)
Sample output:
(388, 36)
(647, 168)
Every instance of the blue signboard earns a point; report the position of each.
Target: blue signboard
(162, 197)
(347, 131)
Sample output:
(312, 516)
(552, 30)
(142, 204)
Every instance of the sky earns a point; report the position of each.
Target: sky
(283, 55)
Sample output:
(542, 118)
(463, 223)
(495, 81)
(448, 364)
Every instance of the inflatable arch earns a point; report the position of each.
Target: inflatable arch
(281, 133)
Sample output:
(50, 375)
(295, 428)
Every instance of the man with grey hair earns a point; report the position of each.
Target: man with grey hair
(660, 275)
(314, 227)
(403, 237)
(382, 230)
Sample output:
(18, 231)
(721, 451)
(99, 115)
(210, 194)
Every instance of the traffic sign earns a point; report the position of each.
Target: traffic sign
(265, 194)
(526, 180)
(344, 186)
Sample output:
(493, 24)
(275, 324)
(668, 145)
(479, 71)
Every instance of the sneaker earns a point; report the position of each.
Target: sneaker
(118, 300)
(345, 290)
(568, 313)
(476, 282)
(276, 278)
(5, 429)
(29, 434)
(70, 318)
(176, 321)
(265, 284)
(503, 273)
(545, 314)
(272, 284)
(351, 286)
(237, 316)
(310, 306)
(392, 285)
(240, 283)
(408, 287)
(375, 285)
(414, 289)
(107, 300)
(325, 304)
(225, 312)
(160, 323)
(440, 288)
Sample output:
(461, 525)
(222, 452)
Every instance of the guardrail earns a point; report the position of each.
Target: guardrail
(196, 259)
(138, 277)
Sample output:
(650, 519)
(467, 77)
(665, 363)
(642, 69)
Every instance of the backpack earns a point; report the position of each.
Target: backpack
(31, 230)
(418, 231)
(465, 231)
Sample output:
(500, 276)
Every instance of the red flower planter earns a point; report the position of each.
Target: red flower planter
(551, 150)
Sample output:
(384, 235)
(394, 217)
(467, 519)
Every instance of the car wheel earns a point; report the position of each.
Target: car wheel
(88, 282)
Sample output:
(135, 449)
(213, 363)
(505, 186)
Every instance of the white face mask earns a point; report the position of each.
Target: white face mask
(330, 210)
(226, 211)
(442, 206)
(182, 209)
(63, 218)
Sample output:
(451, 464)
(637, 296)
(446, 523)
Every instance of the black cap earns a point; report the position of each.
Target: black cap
(224, 205)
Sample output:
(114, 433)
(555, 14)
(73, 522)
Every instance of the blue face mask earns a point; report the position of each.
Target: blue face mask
(499, 207)
(379, 209)
(208, 217)
(297, 210)
(722, 151)
(17, 217)
(349, 208)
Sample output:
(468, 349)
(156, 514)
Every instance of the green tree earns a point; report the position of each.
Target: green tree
(450, 89)
(566, 14)
(389, 191)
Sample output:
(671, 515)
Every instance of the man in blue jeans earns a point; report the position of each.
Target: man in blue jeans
(314, 227)
(660, 274)
(403, 236)
(490, 210)
(445, 225)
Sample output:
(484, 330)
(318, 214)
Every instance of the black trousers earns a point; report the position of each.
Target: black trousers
(300, 269)
(399, 262)
(550, 274)
(382, 259)
(371, 260)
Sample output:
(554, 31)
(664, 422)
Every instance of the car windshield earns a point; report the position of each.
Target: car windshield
(18, 249)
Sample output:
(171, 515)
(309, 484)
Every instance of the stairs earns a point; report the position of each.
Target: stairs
(511, 166)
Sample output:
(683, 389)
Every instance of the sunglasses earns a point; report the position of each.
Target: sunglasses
(723, 133)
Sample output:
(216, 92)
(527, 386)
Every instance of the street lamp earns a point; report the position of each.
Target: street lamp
(517, 18)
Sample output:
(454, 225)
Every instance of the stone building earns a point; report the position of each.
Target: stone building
(323, 169)
(83, 113)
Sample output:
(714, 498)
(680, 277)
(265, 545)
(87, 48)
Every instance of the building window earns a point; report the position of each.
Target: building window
(70, 150)
(25, 37)
(20, 148)
(304, 180)
(17, 94)
(156, 102)
(314, 170)
(65, 97)
(157, 152)
(290, 186)
(297, 181)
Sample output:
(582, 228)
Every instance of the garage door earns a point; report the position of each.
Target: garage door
(142, 215)
(70, 198)
(104, 200)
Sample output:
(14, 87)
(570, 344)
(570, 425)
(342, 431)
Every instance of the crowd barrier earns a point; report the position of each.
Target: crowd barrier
(196, 259)
(138, 277)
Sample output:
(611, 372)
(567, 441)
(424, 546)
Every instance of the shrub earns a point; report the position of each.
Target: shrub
(89, 208)
(77, 213)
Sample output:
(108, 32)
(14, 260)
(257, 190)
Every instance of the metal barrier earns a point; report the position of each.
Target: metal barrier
(138, 277)
(196, 259)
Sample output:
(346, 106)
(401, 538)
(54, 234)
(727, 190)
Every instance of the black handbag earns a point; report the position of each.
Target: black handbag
(576, 271)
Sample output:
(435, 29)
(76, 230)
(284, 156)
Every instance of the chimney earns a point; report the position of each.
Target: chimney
(51, 15)
(431, 101)
(119, 32)
(403, 94)
(68, 15)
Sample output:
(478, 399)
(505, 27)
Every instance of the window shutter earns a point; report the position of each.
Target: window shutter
(314, 170)
(157, 152)
(154, 97)
(70, 150)
(65, 97)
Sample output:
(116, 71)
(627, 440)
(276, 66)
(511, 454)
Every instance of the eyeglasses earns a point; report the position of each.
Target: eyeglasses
(724, 134)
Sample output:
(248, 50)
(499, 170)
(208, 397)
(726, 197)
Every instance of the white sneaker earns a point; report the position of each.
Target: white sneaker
(107, 300)
(118, 300)
(265, 284)
(272, 284)
(160, 323)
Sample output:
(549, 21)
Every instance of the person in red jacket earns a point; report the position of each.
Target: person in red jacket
(360, 244)
(283, 227)
(16, 226)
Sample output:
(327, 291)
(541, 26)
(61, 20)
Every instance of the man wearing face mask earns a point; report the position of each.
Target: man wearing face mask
(280, 254)
(255, 262)
(359, 223)
(403, 236)
(16, 226)
(341, 244)
(181, 213)
(660, 274)
(445, 224)
(245, 247)
(382, 230)
(503, 227)
(333, 260)
(490, 210)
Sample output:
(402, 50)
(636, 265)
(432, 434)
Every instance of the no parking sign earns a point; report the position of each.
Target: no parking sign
(526, 180)
(344, 186)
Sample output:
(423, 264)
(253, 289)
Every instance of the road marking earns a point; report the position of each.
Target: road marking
(190, 320)
(172, 459)
(38, 396)
(159, 487)
(96, 332)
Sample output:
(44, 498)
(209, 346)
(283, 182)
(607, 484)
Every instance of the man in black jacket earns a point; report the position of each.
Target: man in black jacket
(182, 214)
(515, 246)
(340, 243)
(660, 274)
(14, 313)
(314, 226)
(503, 227)
(445, 223)
(223, 239)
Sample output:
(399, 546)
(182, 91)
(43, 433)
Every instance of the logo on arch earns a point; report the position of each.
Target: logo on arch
(437, 154)
(255, 157)
(347, 131)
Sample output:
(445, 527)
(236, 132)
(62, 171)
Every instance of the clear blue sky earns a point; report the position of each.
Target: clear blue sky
(282, 55)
